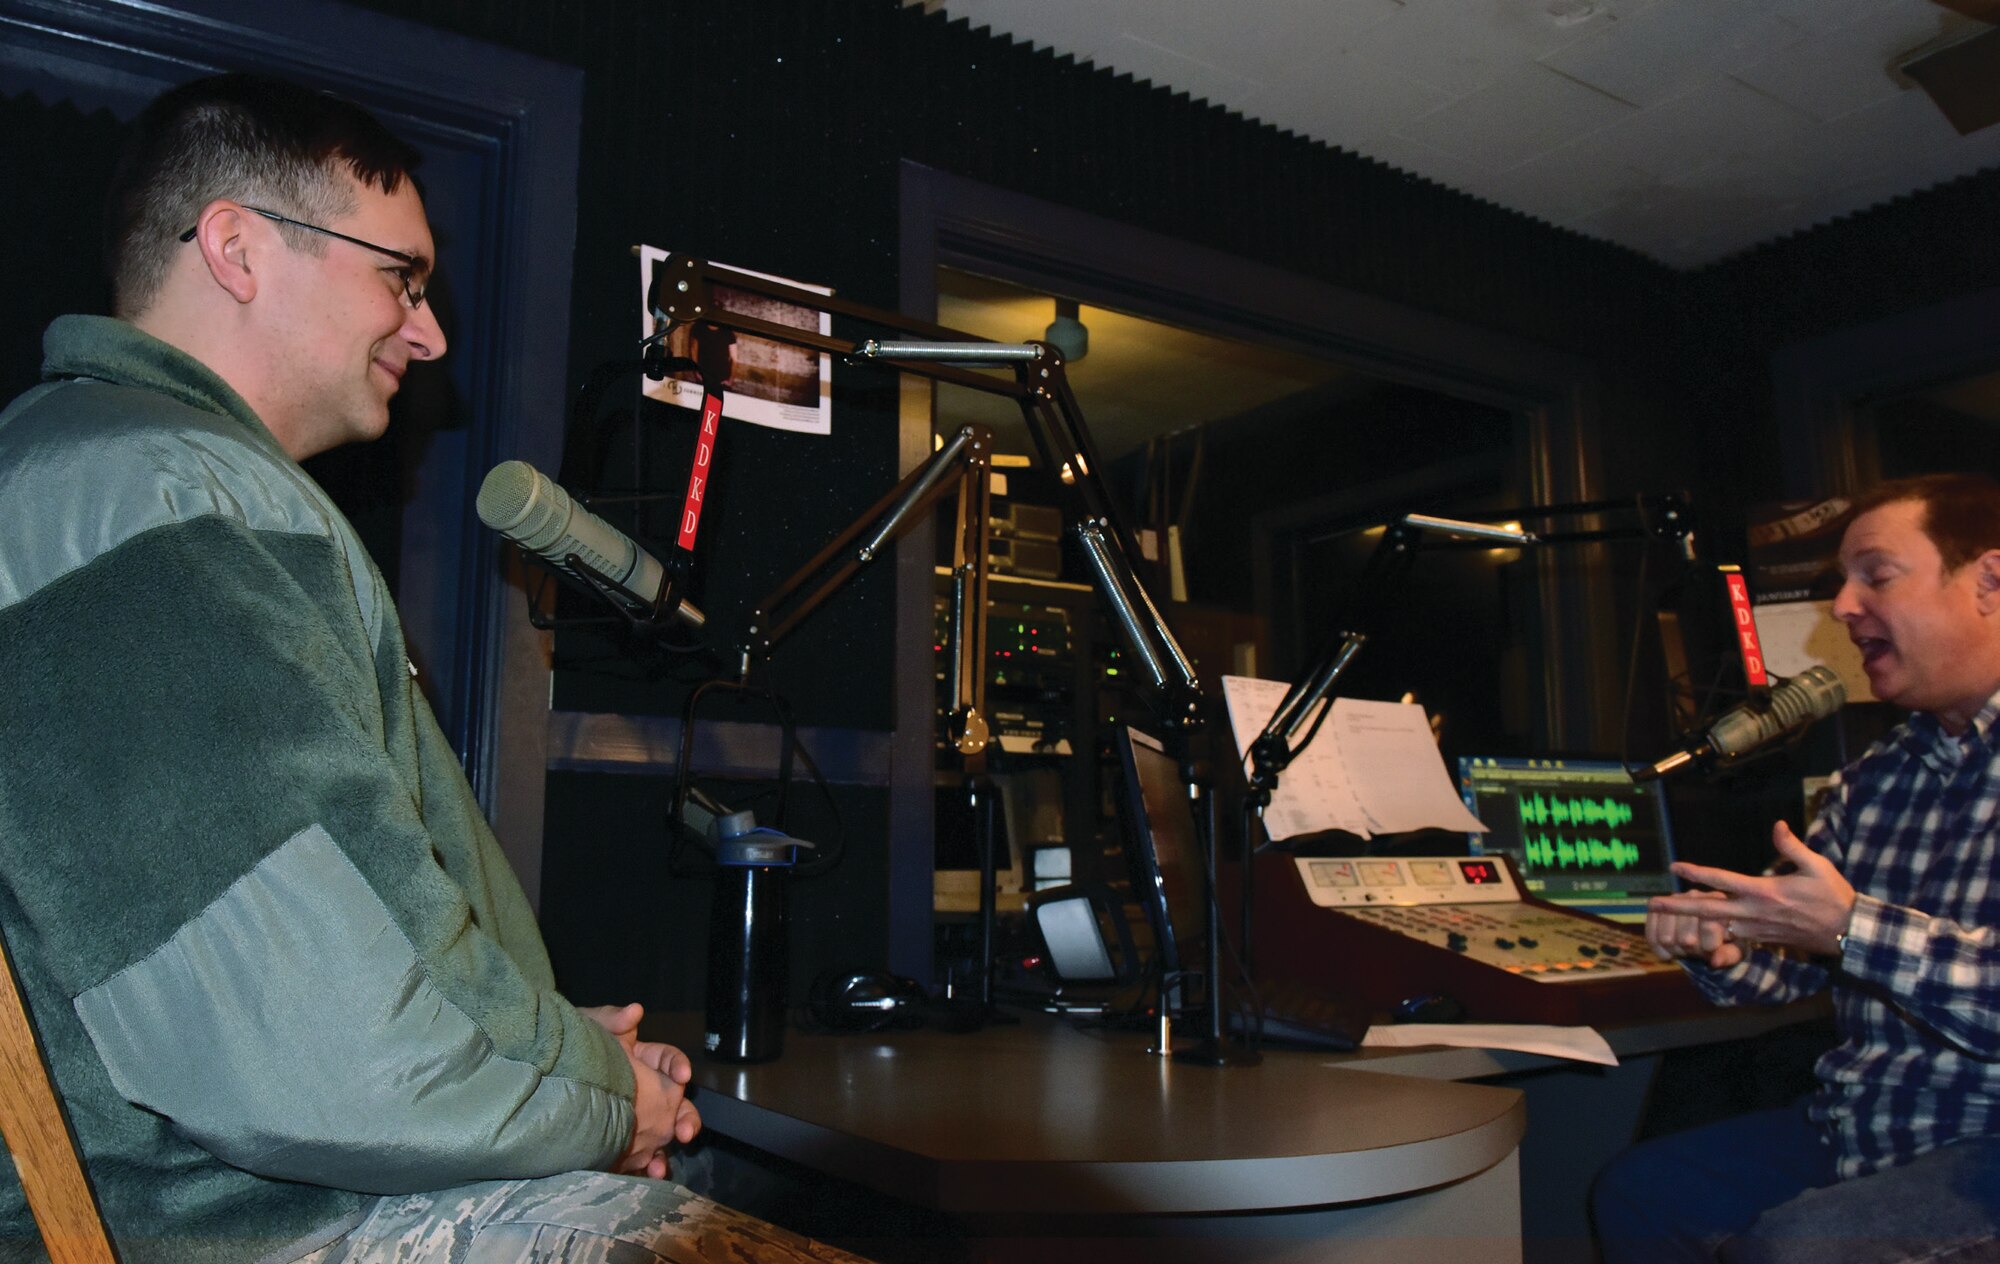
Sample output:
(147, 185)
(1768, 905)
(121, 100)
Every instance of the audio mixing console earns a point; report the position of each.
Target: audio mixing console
(1380, 931)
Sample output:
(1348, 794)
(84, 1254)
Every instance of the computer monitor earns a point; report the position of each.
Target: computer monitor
(1161, 848)
(1580, 831)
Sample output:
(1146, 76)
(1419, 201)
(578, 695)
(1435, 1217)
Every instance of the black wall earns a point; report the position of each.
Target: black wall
(51, 255)
(1904, 256)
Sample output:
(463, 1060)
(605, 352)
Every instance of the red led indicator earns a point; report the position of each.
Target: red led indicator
(1479, 873)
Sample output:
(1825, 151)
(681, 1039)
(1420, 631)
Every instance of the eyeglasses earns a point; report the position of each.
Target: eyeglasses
(414, 274)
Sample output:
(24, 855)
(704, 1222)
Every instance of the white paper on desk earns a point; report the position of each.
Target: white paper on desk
(1581, 1044)
(1392, 761)
(1313, 793)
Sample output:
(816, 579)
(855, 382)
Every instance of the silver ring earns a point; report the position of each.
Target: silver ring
(1729, 928)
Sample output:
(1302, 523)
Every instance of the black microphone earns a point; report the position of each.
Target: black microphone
(1811, 695)
(526, 506)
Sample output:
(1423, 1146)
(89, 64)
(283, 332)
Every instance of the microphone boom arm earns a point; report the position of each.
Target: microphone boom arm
(682, 292)
(888, 519)
(1168, 668)
(1273, 750)
(1279, 744)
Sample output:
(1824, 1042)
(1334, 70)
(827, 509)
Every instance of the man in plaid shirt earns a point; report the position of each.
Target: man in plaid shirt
(1893, 903)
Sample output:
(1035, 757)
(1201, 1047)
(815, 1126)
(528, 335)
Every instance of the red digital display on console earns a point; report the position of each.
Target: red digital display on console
(1479, 873)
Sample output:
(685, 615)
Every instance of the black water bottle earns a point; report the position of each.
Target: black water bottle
(747, 941)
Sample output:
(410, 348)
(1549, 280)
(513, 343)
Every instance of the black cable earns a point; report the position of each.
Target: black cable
(790, 747)
(1706, 707)
(1632, 662)
(833, 852)
(677, 828)
(1130, 1015)
(1325, 709)
(1157, 981)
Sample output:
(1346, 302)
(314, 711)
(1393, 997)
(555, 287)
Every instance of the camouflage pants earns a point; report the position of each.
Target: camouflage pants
(579, 1217)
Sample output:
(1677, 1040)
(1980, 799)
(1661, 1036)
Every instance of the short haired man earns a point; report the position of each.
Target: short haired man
(1893, 902)
(279, 963)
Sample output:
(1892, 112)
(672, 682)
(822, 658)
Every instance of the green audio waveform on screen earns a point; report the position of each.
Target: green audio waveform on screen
(1544, 852)
(1611, 813)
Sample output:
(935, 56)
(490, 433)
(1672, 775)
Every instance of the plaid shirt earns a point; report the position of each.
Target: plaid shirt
(1914, 824)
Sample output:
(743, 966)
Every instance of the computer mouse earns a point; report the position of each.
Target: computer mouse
(1431, 1007)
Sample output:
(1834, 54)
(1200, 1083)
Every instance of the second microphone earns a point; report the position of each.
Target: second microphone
(529, 508)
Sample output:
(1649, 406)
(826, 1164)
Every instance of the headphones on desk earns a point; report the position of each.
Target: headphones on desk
(873, 1000)
(864, 1000)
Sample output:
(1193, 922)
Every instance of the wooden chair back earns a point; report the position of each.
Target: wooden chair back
(38, 1137)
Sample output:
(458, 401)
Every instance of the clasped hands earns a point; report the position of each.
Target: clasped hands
(662, 1114)
(1807, 909)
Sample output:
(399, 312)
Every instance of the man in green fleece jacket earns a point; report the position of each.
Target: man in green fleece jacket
(279, 964)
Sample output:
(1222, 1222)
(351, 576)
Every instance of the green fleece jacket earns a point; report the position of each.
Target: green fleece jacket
(277, 959)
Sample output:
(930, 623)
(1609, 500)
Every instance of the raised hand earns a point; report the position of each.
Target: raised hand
(1807, 908)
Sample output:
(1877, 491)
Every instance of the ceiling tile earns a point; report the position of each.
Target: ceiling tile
(1211, 51)
(1752, 185)
(1345, 101)
(1821, 16)
(1686, 129)
(1849, 187)
(1672, 224)
(1184, 72)
(1527, 111)
(1834, 171)
(1836, 73)
(1917, 169)
(1453, 171)
(1834, 156)
(1660, 53)
(1559, 188)
(1253, 38)
(1717, 121)
(1071, 29)
(1463, 45)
